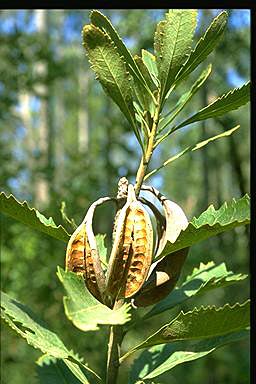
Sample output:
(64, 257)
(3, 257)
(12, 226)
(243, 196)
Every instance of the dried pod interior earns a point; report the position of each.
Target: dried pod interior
(162, 279)
(75, 251)
(131, 254)
(82, 256)
(164, 273)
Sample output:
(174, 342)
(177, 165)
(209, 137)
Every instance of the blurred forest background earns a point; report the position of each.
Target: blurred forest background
(63, 139)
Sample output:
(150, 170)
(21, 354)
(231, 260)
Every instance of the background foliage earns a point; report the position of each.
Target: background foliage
(63, 140)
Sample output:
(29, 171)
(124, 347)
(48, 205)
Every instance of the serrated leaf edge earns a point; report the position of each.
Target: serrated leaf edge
(34, 210)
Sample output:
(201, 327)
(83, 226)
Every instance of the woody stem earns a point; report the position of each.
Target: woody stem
(115, 340)
(149, 151)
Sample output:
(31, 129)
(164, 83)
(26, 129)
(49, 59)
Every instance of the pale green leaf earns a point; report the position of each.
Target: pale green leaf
(102, 22)
(102, 250)
(205, 278)
(212, 222)
(161, 358)
(27, 324)
(111, 70)
(190, 148)
(230, 101)
(185, 98)
(83, 309)
(10, 206)
(202, 323)
(172, 43)
(143, 97)
(149, 61)
(204, 47)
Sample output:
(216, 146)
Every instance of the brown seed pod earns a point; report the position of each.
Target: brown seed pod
(131, 253)
(176, 221)
(165, 273)
(82, 255)
(162, 280)
(75, 251)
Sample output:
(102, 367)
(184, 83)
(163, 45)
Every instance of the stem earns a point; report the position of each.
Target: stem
(116, 332)
(115, 339)
(150, 147)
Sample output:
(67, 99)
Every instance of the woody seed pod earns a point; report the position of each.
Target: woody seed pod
(131, 253)
(165, 273)
(82, 255)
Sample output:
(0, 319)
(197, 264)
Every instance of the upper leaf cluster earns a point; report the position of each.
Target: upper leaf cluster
(141, 85)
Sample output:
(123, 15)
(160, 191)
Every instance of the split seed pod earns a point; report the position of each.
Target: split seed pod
(82, 255)
(132, 249)
(162, 279)
(165, 273)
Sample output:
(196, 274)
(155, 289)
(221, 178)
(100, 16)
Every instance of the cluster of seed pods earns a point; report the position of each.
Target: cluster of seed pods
(130, 272)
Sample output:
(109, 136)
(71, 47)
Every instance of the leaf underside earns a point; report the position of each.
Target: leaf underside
(204, 47)
(102, 22)
(172, 42)
(59, 371)
(110, 68)
(27, 324)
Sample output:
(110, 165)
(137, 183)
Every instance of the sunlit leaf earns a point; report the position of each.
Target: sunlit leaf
(10, 206)
(172, 43)
(111, 70)
(185, 98)
(100, 241)
(83, 309)
(212, 222)
(204, 47)
(150, 62)
(144, 98)
(27, 324)
(190, 148)
(102, 22)
(228, 102)
(203, 323)
(207, 277)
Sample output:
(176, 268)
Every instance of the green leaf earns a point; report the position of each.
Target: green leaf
(204, 47)
(205, 278)
(100, 241)
(149, 61)
(27, 324)
(86, 312)
(55, 371)
(111, 70)
(185, 98)
(212, 222)
(190, 148)
(143, 97)
(172, 42)
(102, 22)
(30, 216)
(161, 358)
(202, 323)
(226, 103)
